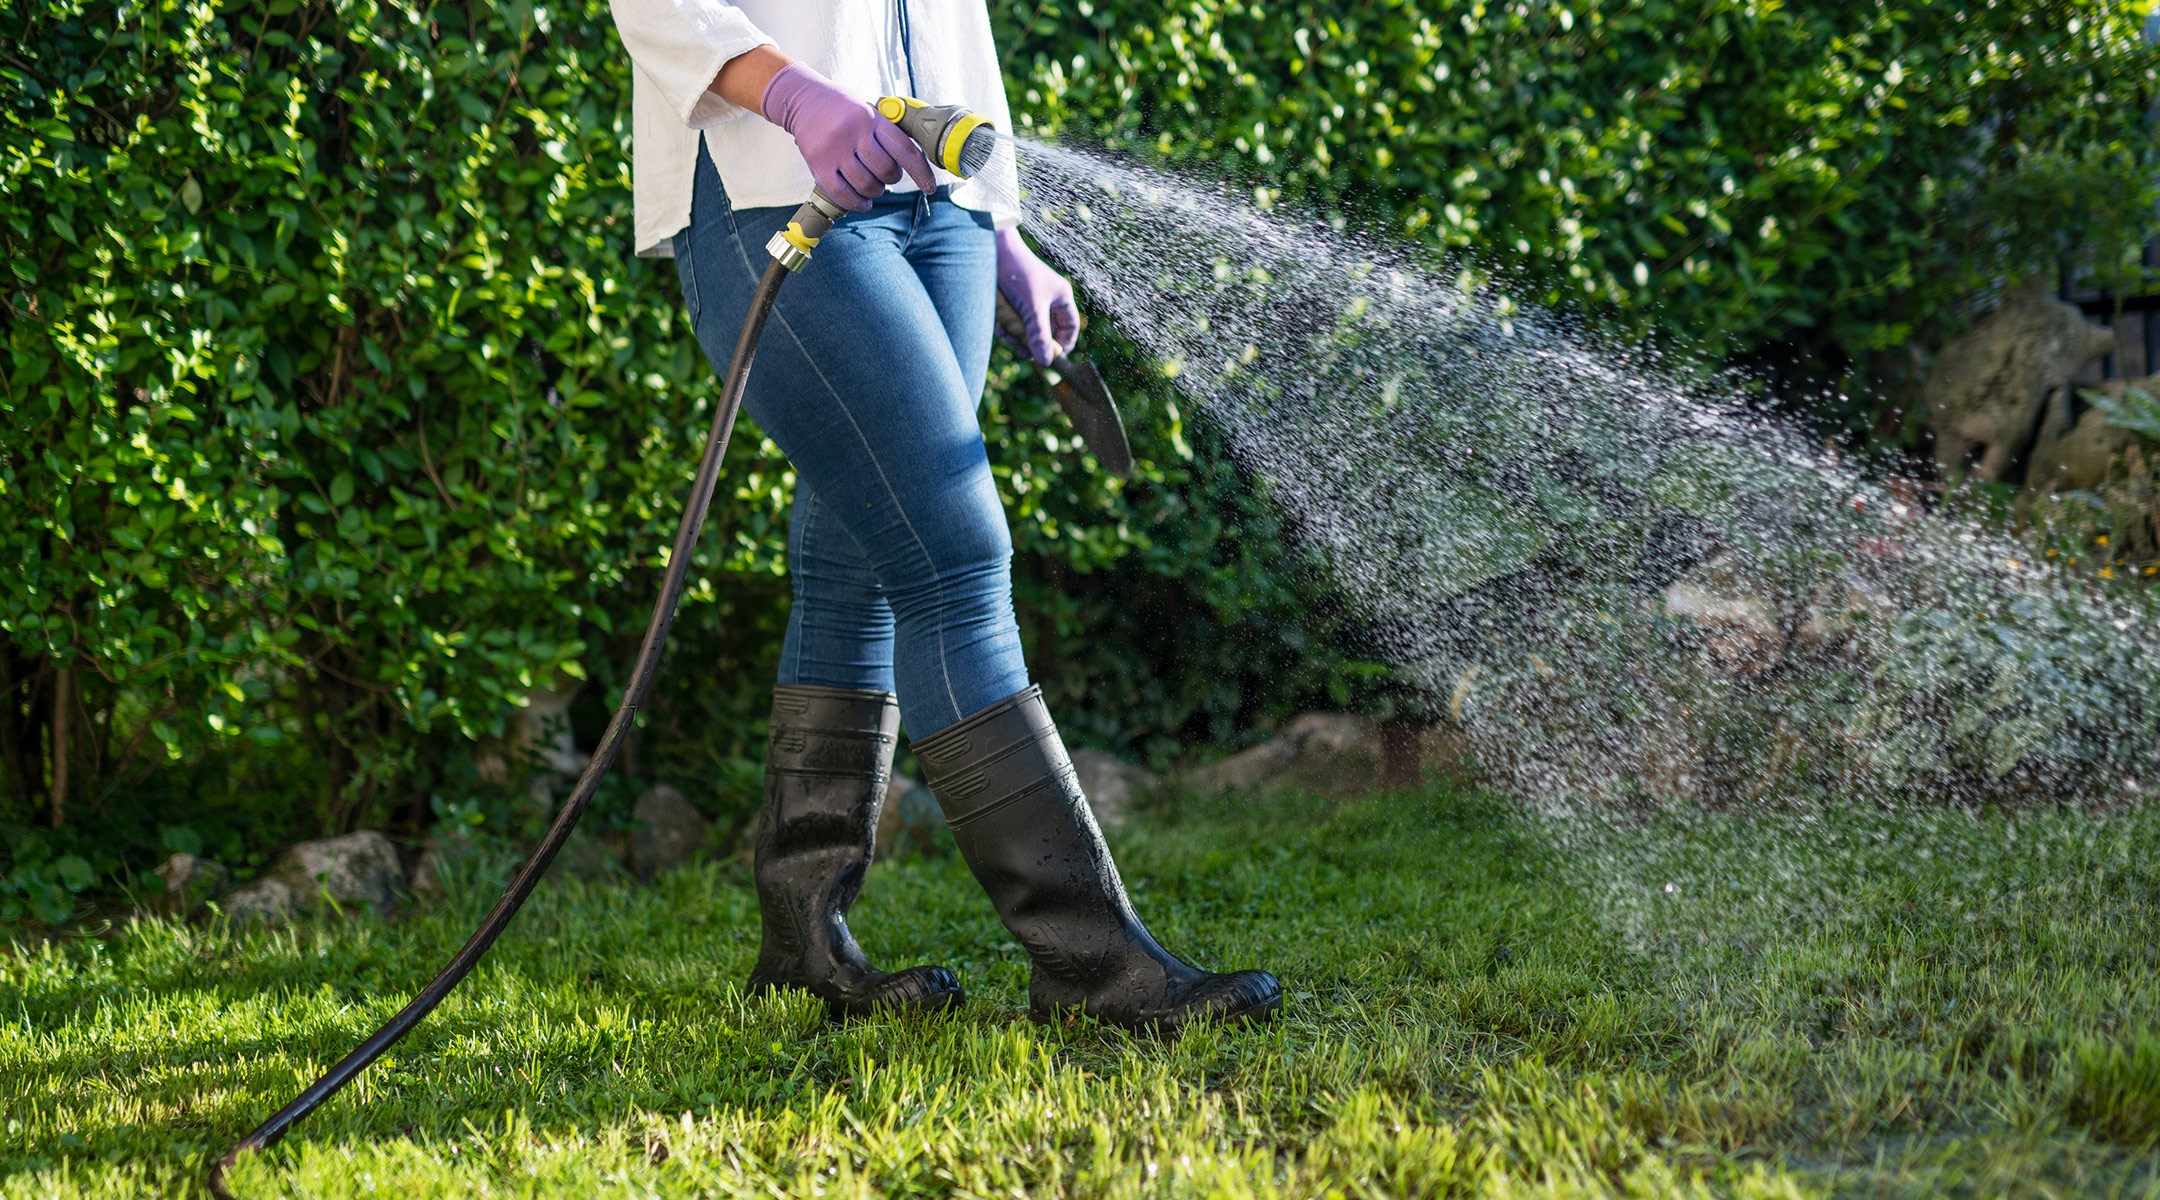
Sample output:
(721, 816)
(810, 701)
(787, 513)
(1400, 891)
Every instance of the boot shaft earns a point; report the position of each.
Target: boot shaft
(826, 768)
(827, 762)
(832, 733)
(1019, 818)
(1013, 801)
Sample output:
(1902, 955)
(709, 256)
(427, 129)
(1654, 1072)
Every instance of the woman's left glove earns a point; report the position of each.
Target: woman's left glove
(1043, 297)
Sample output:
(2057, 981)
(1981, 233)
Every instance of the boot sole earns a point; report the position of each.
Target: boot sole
(1166, 1028)
(838, 1009)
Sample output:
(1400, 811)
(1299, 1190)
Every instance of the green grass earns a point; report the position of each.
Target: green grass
(1461, 1021)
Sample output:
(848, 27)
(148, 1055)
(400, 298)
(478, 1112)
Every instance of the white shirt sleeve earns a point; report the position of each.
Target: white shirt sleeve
(680, 45)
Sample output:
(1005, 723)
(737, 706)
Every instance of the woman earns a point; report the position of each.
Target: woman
(868, 377)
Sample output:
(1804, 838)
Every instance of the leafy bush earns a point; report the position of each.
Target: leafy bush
(337, 417)
(1797, 186)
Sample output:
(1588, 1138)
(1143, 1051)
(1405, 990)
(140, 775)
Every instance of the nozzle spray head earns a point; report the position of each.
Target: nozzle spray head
(950, 135)
(954, 138)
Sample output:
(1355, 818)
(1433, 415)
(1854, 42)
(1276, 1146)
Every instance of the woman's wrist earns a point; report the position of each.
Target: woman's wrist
(743, 79)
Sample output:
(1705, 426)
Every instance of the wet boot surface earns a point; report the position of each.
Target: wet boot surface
(1018, 816)
(825, 773)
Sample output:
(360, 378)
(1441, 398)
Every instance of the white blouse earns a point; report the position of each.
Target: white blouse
(678, 46)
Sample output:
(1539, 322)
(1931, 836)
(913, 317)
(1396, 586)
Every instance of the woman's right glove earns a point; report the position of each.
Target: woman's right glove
(852, 151)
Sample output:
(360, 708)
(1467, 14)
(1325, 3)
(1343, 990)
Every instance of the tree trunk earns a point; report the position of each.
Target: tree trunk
(63, 715)
(11, 764)
(22, 727)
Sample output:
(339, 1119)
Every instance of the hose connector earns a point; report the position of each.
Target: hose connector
(792, 245)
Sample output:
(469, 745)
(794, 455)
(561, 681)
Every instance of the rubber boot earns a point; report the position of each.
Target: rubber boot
(1009, 793)
(830, 755)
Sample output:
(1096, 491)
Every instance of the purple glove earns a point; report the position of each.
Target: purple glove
(852, 151)
(1043, 297)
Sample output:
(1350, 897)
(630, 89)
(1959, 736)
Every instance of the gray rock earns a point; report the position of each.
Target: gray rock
(1113, 786)
(189, 882)
(266, 899)
(910, 822)
(444, 852)
(1738, 624)
(355, 872)
(1443, 750)
(669, 831)
(1254, 769)
(2079, 455)
(1335, 754)
(1987, 386)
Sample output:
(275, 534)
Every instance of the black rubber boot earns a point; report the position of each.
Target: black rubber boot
(1009, 792)
(830, 755)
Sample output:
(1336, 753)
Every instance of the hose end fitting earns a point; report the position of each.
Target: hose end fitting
(791, 246)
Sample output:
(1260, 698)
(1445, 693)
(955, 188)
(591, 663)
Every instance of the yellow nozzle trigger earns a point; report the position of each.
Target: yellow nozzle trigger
(892, 107)
(797, 238)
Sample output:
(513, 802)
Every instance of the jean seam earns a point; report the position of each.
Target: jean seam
(795, 550)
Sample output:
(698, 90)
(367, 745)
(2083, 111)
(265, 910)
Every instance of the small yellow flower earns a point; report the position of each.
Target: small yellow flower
(2051, 554)
(2102, 539)
(2107, 573)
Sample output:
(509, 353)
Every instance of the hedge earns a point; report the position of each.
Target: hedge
(337, 416)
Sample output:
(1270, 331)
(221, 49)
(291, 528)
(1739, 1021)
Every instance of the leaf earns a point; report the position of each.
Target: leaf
(191, 195)
(341, 489)
(74, 872)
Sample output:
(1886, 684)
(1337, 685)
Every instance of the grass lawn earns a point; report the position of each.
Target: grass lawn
(1462, 1020)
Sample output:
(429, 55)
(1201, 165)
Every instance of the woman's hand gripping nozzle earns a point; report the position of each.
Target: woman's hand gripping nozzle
(953, 138)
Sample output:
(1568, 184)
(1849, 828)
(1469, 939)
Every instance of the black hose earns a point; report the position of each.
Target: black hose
(641, 676)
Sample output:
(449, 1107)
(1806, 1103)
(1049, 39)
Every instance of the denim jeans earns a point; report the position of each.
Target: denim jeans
(869, 375)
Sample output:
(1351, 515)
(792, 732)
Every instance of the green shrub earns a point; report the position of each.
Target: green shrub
(337, 416)
(1790, 185)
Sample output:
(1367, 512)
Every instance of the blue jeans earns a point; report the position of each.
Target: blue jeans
(868, 377)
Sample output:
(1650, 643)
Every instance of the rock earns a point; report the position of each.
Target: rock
(1254, 769)
(1737, 623)
(1113, 786)
(1338, 754)
(1413, 749)
(443, 852)
(1331, 753)
(910, 822)
(189, 882)
(263, 900)
(2079, 454)
(356, 871)
(669, 831)
(589, 855)
(1988, 385)
(538, 732)
(1665, 759)
(1839, 612)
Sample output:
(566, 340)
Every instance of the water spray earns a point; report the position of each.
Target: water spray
(957, 140)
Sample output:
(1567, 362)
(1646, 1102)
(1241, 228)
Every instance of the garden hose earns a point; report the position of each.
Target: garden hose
(934, 128)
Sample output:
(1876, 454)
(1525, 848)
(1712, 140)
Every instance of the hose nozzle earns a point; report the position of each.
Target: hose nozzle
(954, 138)
(950, 135)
